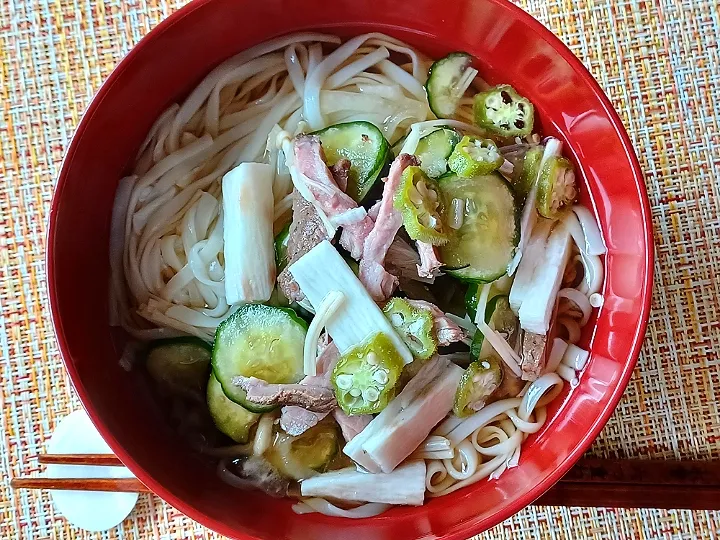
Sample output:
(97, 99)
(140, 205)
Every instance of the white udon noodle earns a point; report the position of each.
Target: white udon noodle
(488, 442)
(167, 238)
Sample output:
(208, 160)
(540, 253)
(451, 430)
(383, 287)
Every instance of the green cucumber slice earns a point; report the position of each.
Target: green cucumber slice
(232, 419)
(481, 248)
(434, 149)
(366, 148)
(180, 365)
(307, 454)
(258, 341)
(446, 83)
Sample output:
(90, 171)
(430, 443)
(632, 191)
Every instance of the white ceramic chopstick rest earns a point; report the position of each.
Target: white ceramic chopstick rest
(90, 510)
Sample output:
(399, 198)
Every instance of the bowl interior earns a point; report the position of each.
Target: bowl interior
(510, 47)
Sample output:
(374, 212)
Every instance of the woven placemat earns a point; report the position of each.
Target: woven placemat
(659, 63)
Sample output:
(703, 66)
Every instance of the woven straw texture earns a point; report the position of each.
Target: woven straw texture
(658, 61)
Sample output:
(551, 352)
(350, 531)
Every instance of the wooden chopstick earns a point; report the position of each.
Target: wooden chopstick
(645, 471)
(618, 483)
(621, 495)
(80, 459)
(638, 483)
(123, 485)
(108, 460)
(131, 485)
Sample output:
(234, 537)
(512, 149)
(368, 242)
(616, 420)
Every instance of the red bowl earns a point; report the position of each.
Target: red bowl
(511, 47)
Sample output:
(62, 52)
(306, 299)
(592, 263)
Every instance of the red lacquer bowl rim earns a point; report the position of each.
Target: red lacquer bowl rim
(460, 531)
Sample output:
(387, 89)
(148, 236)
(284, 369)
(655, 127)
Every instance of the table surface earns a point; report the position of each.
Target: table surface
(658, 61)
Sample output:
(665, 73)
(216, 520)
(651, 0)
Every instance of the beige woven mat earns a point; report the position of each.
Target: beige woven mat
(659, 63)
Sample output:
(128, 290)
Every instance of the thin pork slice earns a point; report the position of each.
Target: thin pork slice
(378, 282)
(398, 430)
(351, 425)
(404, 262)
(306, 231)
(429, 266)
(260, 392)
(310, 162)
(341, 173)
(296, 420)
(446, 331)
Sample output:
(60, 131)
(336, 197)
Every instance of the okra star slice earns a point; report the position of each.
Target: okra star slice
(418, 202)
(365, 376)
(556, 187)
(503, 111)
(480, 379)
(415, 327)
(472, 157)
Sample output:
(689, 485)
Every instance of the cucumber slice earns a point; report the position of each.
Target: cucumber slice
(180, 365)
(498, 316)
(482, 247)
(232, 419)
(435, 149)
(258, 341)
(302, 456)
(447, 82)
(366, 148)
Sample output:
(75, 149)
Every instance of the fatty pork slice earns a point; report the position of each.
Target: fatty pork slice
(378, 282)
(398, 430)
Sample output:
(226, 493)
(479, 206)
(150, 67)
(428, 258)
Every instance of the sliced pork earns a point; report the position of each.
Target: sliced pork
(429, 266)
(378, 281)
(351, 425)
(341, 173)
(306, 231)
(403, 261)
(296, 420)
(311, 397)
(310, 162)
(254, 472)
